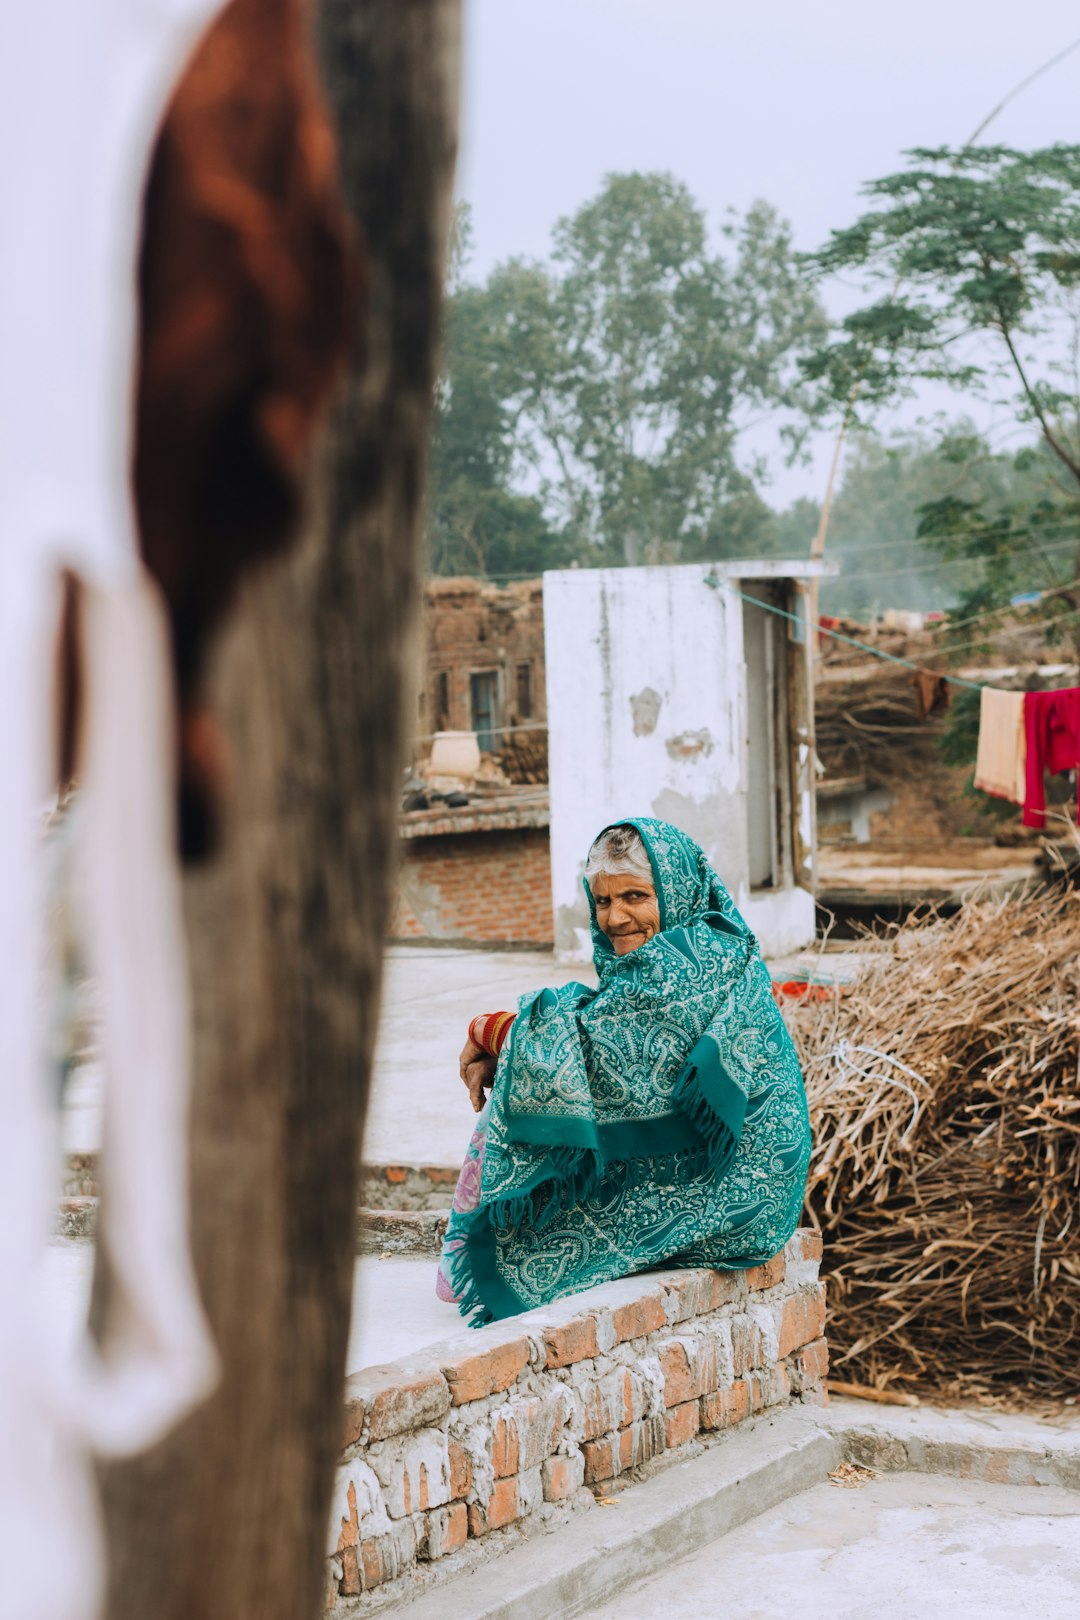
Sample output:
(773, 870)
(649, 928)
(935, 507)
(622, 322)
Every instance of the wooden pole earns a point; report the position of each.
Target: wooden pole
(228, 1519)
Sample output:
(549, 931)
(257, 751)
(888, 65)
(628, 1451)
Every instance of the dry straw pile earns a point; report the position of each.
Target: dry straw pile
(945, 1092)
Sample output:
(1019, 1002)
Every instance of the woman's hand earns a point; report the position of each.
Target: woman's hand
(477, 1070)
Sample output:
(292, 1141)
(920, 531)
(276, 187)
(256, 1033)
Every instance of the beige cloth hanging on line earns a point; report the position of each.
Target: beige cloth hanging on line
(1002, 753)
(83, 84)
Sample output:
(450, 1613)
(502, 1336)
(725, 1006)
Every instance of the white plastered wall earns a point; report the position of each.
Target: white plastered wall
(646, 689)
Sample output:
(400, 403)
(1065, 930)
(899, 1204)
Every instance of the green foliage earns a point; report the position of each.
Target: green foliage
(478, 522)
(959, 743)
(595, 406)
(873, 530)
(980, 248)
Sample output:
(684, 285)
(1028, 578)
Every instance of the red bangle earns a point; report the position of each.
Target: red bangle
(489, 1031)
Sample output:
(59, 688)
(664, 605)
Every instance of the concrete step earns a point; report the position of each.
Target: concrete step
(408, 1233)
(646, 1528)
(382, 1186)
(400, 1231)
(1000, 1469)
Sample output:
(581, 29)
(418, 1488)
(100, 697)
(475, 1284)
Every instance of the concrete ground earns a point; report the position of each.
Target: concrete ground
(903, 1546)
(419, 1112)
(394, 1309)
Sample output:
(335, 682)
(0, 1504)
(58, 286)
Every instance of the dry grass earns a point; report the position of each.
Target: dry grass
(945, 1092)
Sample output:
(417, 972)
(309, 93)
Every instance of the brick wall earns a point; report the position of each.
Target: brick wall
(488, 886)
(502, 1428)
(471, 626)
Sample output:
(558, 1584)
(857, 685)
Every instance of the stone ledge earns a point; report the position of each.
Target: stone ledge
(401, 1231)
(408, 1186)
(1009, 1450)
(76, 1217)
(699, 1497)
(509, 812)
(504, 1426)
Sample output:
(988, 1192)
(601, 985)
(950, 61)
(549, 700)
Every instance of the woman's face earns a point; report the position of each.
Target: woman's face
(627, 910)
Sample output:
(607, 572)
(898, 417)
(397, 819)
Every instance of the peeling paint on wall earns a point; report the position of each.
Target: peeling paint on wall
(645, 708)
(690, 744)
(713, 823)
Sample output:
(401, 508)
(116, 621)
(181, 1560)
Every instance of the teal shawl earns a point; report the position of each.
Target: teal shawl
(658, 1119)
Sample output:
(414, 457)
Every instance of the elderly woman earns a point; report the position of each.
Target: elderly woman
(657, 1120)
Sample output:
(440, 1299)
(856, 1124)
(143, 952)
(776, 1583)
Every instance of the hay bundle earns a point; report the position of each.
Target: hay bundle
(524, 757)
(945, 1092)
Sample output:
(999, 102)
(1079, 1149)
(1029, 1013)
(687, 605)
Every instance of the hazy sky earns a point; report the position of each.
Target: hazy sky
(780, 99)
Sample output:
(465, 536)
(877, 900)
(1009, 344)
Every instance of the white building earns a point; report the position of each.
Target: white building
(682, 693)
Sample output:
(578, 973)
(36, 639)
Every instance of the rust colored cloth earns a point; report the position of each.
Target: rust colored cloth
(1052, 728)
(489, 1031)
(931, 693)
(244, 281)
(1002, 753)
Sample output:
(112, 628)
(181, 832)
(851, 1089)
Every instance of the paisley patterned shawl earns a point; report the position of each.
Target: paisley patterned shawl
(648, 1082)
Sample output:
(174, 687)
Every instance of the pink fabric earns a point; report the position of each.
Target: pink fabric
(466, 1197)
(1052, 729)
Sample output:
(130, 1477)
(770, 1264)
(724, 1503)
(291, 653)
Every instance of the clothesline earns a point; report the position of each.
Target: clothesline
(1021, 734)
(852, 641)
(782, 613)
(864, 646)
(1007, 607)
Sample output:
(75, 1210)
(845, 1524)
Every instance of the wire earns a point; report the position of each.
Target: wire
(994, 613)
(1028, 624)
(852, 641)
(841, 549)
(715, 583)
(988, 529)
(838, 635)
(939, 567)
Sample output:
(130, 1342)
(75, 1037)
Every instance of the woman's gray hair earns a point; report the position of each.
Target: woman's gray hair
(618, 851)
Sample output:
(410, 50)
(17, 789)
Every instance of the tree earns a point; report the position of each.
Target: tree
(876, 534)
(625, 377)
(1014, 524)
(478, 522)
(228, 1518)
(980, 248)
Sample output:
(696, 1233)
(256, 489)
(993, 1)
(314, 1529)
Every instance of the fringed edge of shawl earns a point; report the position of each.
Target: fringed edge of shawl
(458, 1269)
(706, 1095)
(557, 1193)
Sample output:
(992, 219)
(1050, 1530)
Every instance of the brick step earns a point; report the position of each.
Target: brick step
(400, 1231)
(412, 1187)
(378, 1231)
(408, 1186)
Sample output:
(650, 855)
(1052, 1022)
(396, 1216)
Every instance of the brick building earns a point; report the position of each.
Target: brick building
(480, 873)
(483, 658)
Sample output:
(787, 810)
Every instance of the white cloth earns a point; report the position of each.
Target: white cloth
(83, 84)
(1001, 759)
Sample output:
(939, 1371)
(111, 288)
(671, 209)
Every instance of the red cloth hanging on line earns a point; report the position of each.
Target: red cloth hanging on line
(1052, 729)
